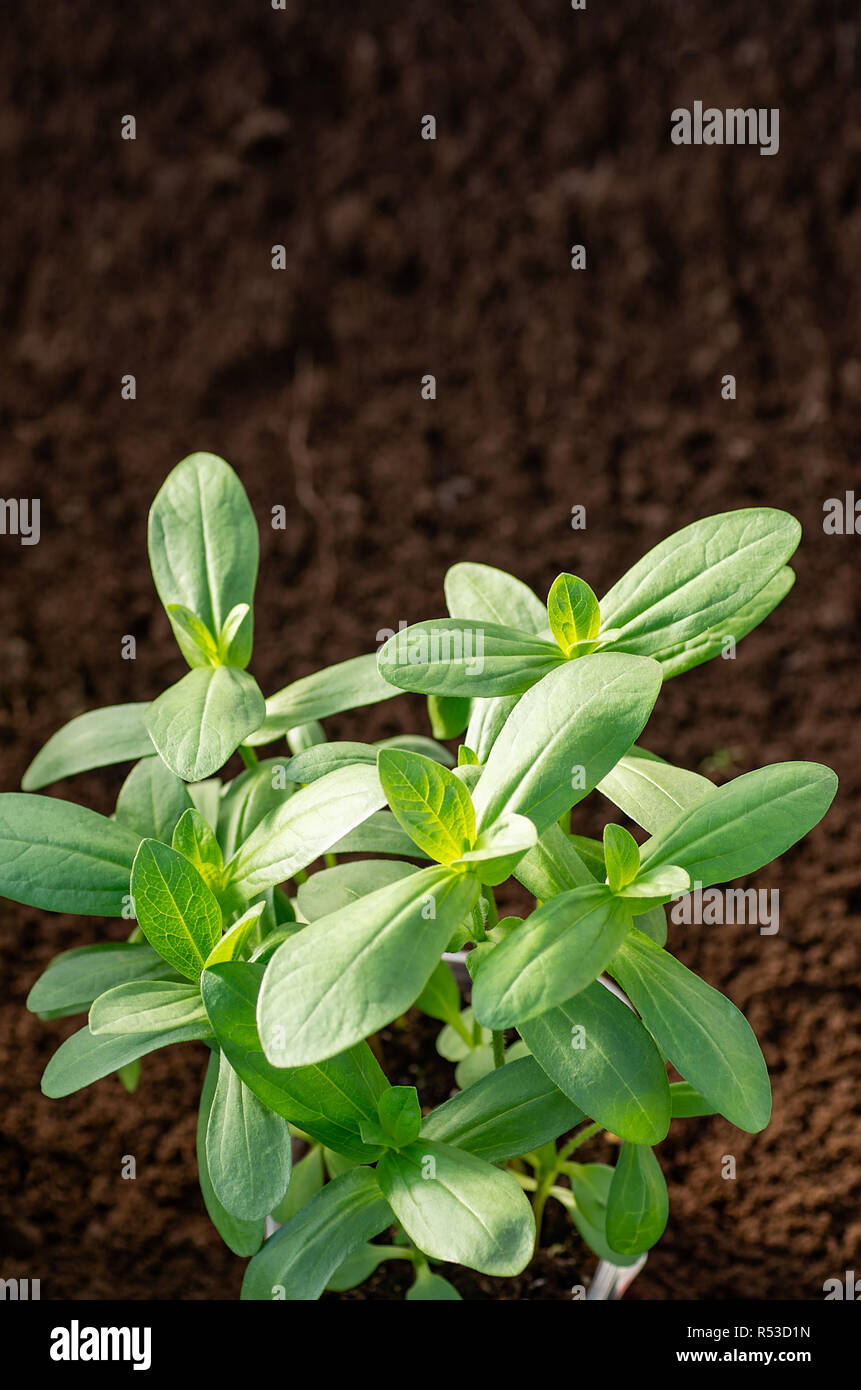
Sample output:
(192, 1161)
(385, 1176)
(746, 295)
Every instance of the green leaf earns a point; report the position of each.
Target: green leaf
(652, 923)
(330, 890)
(63, 857)
(467, 773)
(456, 1207)
(313, 763)
(129, 1076)
(248, 1153)
(491, 595)
(744, 824)
(233, 941)
(360, 1265)
(685, 655)
(455, 656)
(486, 723)
(304, 827)
(499, 849)
(559, 950)
(697, 577)
(702, 1033)
(152, 799)
(554, 866)
(329, 1101)
(75, 978)
(307, 1178)
(348, 685)
(151, 1006)
(637, 1203)
(197, 724)
(429, 802)
(655, 886)
(600, 1055)
(687, 1102)
(242, 1237)
(574, 614)
(431, 1288)
(448, 714)
(440, 997)
(379, 834)
(453, 1043)
(587, 1204)
(250, 797)
(99, 738)
(235, 632)
(621, 856)
(206, 797)
(204, 548)
(177, 913)
(84, 1058)
(348, 974)
(652, 792)
(199, 644)
(195, 840)
(494, 935)
(296, 1264)
(592, 854)
(400, 1115)
(305, 736)
(419, 743)
(513, 1110)
(564, 736)
(479, 1063)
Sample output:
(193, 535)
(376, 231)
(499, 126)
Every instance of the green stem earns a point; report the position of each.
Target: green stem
(478, 931)
(248, 756)
(539, 1201)
(576, 1142)
(498, 1048)
(462, 1031)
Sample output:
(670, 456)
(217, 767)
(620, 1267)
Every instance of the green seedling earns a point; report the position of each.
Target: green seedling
(252, 938)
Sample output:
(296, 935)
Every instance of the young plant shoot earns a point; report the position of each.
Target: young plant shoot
(251, 934)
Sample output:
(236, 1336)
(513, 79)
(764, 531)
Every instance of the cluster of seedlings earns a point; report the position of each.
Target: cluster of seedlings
(285, 915)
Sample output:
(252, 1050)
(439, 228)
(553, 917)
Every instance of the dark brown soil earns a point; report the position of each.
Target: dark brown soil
(555, 388)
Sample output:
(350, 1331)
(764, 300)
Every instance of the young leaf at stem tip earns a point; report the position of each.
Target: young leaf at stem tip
(176, 910)
(204, 548)
(621, 856)
(574, 615)
(429, 802)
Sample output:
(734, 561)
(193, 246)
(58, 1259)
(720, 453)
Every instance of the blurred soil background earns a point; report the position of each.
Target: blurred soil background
(555, 388)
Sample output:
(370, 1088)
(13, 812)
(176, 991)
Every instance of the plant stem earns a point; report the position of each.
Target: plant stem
(492, 916)
(462, 1031)
(478, 931)
(577, 1141)
(498, 1048)
(248, 756)
(539, 1201)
